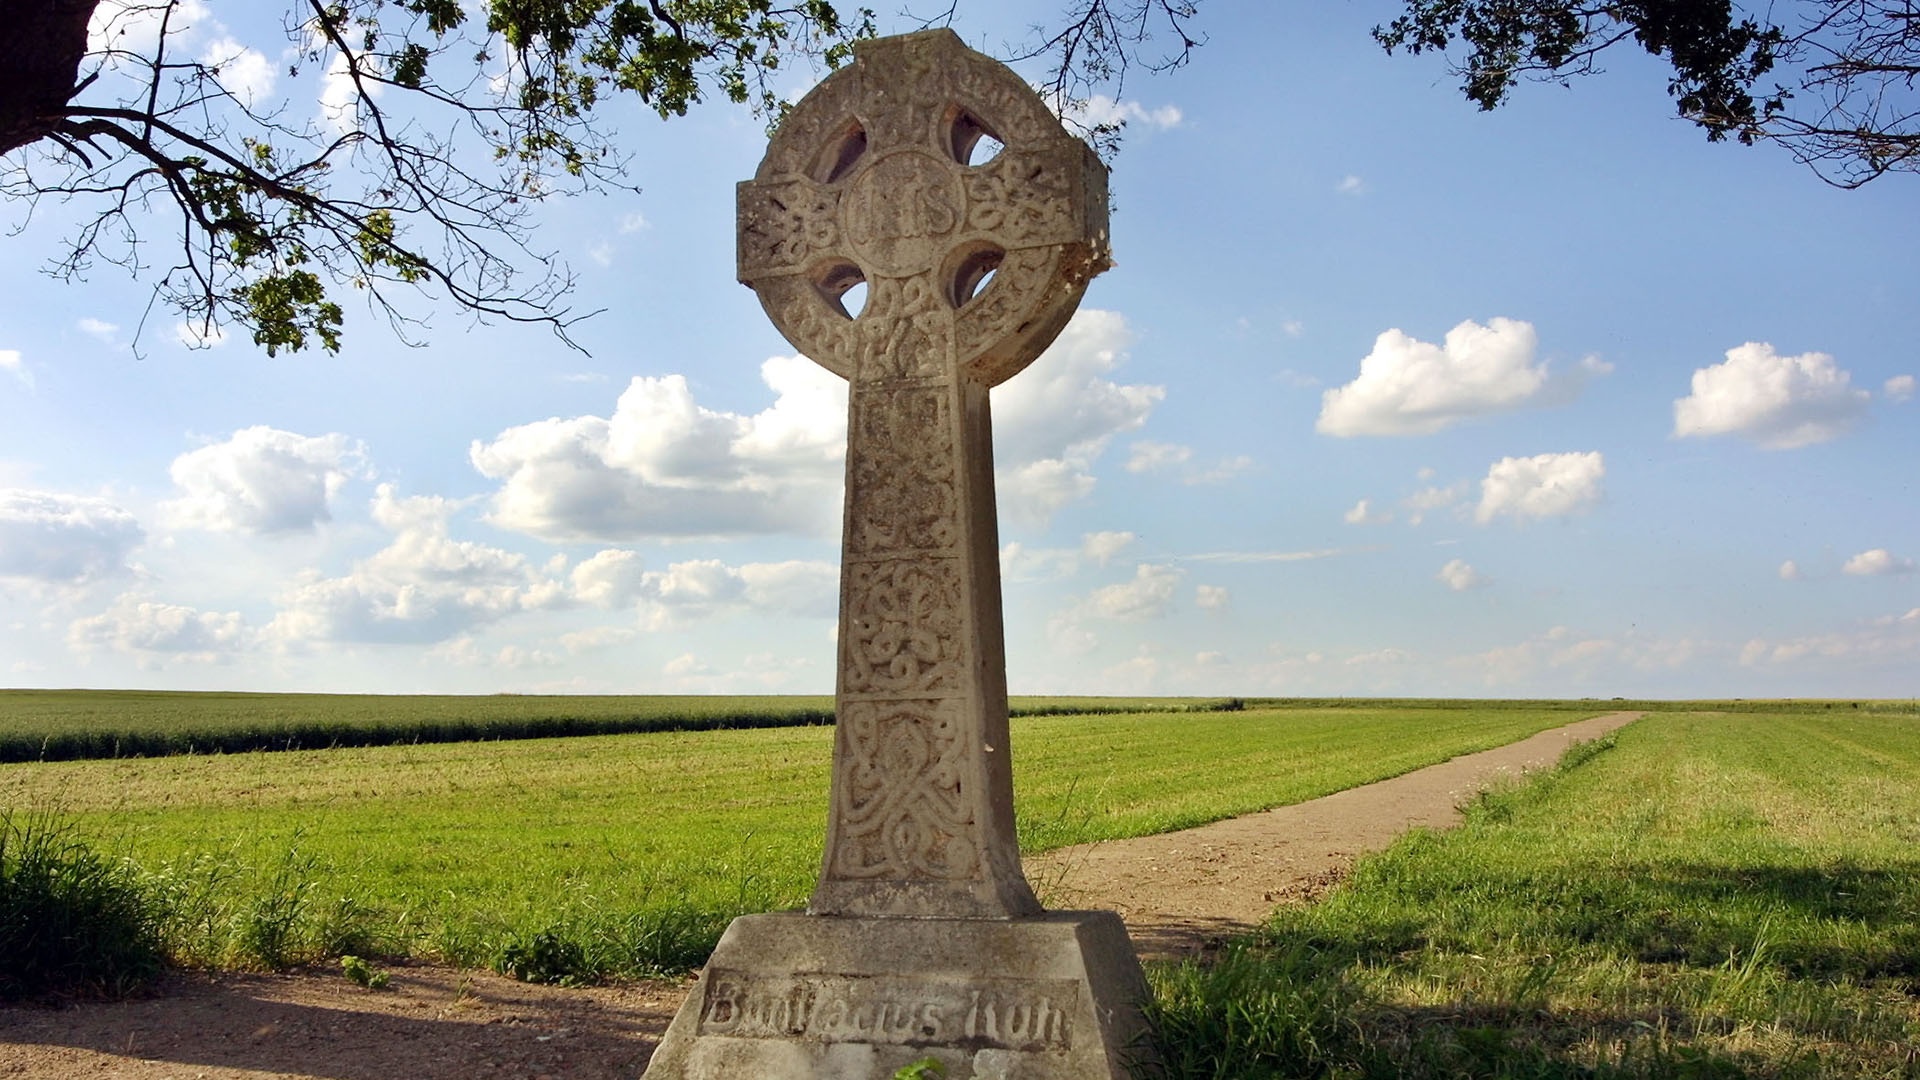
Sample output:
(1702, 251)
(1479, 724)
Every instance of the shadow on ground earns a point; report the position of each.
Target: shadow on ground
(434, 1025)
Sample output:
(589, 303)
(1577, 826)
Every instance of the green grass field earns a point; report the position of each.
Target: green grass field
(1724, 892)
(70, 725)
(637, 848)
(1715, 895)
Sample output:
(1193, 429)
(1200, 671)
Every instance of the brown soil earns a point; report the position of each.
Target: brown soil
(1180, 893)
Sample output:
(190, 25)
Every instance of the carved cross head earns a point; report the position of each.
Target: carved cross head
(881, 176)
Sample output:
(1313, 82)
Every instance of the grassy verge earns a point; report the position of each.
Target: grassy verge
(1718, 894)
(72, 922)
(624, 854)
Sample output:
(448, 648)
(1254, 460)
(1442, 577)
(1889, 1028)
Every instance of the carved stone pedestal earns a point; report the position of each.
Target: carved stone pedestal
(791, 997)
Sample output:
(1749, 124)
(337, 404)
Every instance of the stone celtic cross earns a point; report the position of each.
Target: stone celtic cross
(922, 938)
(970, 271)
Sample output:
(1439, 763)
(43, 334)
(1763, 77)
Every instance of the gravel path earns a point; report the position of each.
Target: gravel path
(1179, 893)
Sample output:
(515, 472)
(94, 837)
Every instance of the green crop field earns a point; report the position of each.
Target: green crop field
(635, 849)
(1716, 891)
(1707, 894)
(67, 725)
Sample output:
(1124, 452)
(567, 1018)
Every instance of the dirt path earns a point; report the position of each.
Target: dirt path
(1179, 893)
(1182, 892)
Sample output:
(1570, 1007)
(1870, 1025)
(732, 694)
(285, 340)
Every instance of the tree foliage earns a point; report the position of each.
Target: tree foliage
(1832, 82)
(441, 123)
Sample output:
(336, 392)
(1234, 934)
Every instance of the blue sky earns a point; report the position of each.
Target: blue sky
(1385, 396)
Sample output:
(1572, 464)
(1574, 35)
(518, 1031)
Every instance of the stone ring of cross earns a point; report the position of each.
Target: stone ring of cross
(887, 175)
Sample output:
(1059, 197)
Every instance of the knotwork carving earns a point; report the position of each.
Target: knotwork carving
(785, 226)
(970, 270)
(902, 811)
(901, 495)
(910, 340)
(901, 633)
(869, 180)
(1025, 199)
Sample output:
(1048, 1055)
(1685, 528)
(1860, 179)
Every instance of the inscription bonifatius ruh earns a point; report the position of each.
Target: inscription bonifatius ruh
(971, 269)
(1026, 1015)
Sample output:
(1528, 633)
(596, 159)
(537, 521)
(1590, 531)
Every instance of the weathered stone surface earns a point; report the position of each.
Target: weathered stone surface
(922, 936)
(1050, 997)
(869, 180)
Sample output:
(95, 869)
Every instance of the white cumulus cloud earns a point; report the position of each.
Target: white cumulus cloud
(1148, 596)
(54, 538)
(1148, 455)
(665, 465)
(262, 480)
(1542, 486)
(424, 586)
(1054, 420)
(1888, 641)
(703, 588)
(1021, 563)
(1211, 597)
(1566, 654)
(1460, 577)
(340, 97)
(1101, 109)
(133, 26)
(614, 578)
(1899, 389)
(1363, 513)
(1226, 469)
(1431, 498)
(699, 588)
(152, 630)
(1101, 547)
(15, 365)
(1790, 571)
(245, 73)
(202, 334)
(1876, 562)
(1412, 387)
(1779, 402)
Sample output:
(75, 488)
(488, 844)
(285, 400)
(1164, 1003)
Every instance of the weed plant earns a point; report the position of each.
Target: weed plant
(73, 922)
(1711, 895)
